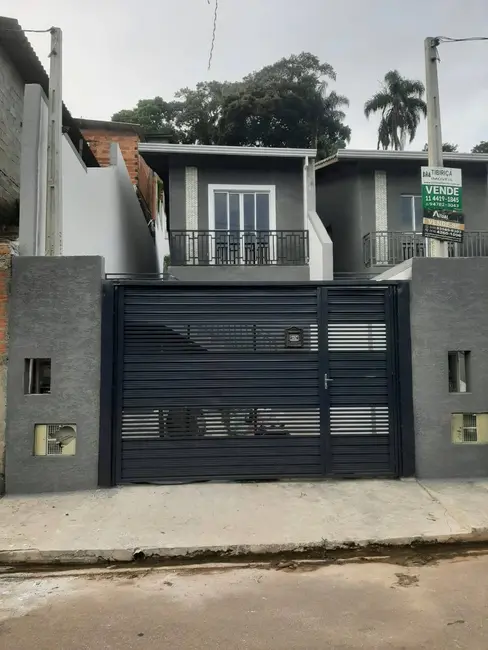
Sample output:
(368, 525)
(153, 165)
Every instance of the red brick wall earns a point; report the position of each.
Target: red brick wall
(100, 140)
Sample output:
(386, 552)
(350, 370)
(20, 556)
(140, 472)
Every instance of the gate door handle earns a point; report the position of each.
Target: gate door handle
(327, 381)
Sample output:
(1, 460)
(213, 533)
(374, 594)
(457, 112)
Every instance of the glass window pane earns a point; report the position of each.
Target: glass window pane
(417, 201)
(406, 214)
(234, 212)
(249, 215)
(221, 221)
(262, 211)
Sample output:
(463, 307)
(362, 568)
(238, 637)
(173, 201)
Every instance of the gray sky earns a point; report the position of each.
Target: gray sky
(119, 51)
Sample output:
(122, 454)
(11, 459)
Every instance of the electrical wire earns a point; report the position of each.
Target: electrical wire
(27, 31)
(447, 39)
(214, 31)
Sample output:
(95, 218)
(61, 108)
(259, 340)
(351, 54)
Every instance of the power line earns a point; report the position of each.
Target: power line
(447, 39)
(214, 31)
(27, 31)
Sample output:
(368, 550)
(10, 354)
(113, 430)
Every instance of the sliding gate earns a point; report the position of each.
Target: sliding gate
(256, 381)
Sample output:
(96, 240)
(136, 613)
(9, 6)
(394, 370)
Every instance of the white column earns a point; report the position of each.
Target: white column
(191, 209)
(381, 215)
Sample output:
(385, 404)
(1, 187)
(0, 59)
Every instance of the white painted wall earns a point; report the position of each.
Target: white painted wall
(402, 271)
(101, 212)
(161, 235)
(320, 245)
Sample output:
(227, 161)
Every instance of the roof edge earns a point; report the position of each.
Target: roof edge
(373, 154)
(223, 150)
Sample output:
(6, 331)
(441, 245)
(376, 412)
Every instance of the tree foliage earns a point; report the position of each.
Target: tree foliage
(481, 147)
(401, 106)
(446, 146)
(286, 104)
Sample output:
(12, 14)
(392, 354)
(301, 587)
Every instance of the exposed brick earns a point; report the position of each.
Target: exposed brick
(100, 140)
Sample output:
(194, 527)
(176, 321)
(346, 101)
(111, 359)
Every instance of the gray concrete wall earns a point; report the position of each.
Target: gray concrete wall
(287, 179)
(55, 312)
(340, 208)
(449, 311)
(177, 206)
(241, 273)
(11, 103)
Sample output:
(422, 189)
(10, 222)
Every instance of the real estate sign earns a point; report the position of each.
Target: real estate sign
(442, 188)
(443, 225)
(442, 200)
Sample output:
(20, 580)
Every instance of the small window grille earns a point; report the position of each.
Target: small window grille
(470, 427)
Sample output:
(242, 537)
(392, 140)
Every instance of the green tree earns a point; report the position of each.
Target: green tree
(401, 106)
(286, 104)
(446, 146)
(153, 115)
(481, 147)
(199, 111)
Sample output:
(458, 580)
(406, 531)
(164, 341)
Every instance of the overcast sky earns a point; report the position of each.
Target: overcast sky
(119, 51)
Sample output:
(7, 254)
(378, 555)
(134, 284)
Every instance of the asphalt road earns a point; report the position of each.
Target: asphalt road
(376, 606)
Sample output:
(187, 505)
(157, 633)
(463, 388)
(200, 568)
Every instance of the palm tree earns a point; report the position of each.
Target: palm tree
(400, 102)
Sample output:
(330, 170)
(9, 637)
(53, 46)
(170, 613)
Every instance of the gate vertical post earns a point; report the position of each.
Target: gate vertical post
(105, 440)
(323, 366)
(405, 401)
(118, 382)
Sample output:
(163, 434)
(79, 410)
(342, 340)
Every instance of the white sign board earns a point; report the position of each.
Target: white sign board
(442, 176)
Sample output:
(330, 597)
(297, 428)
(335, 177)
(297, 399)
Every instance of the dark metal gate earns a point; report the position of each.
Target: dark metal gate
(257, 381)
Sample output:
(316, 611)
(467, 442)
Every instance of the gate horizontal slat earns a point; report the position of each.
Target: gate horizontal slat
(361, 455)
(206, 459)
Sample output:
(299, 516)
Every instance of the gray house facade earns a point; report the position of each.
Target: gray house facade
(240, 213)
(370, 203)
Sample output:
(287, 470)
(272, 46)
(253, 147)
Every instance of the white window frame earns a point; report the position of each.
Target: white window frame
(413, 215)
(241, 190)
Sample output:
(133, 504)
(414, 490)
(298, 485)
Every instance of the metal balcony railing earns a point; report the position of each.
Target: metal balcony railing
(384, 248)
(235, 247)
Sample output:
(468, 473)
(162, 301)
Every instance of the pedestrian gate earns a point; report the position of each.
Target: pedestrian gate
(258, 381)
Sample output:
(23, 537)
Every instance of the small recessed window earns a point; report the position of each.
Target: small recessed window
(459, 371)
(54, 439)
(469, 428)
(37, 376)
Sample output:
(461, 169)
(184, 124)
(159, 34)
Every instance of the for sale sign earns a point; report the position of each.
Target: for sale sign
(442, 189)
(443, 225)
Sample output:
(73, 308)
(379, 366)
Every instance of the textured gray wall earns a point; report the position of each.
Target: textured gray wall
(241, 273)
(55, 312)
(449, 311)
(286, 175)
(11, 103)
(177, 205)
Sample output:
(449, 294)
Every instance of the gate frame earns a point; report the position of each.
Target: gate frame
(400, 382)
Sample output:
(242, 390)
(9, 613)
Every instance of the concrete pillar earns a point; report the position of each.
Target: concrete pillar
(33, 172)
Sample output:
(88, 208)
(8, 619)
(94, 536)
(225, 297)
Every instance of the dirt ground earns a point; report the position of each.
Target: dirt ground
(440, 606)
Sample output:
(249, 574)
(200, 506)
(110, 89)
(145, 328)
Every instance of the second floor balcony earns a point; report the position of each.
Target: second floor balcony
(239, 248)
(382, 248)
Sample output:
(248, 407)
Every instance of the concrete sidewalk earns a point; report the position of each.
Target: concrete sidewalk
(237, 519)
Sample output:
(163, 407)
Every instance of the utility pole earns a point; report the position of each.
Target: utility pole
(435, 247)
(54, 198)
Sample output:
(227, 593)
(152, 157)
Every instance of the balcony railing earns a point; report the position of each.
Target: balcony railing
(390, 248)
(235, 247)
